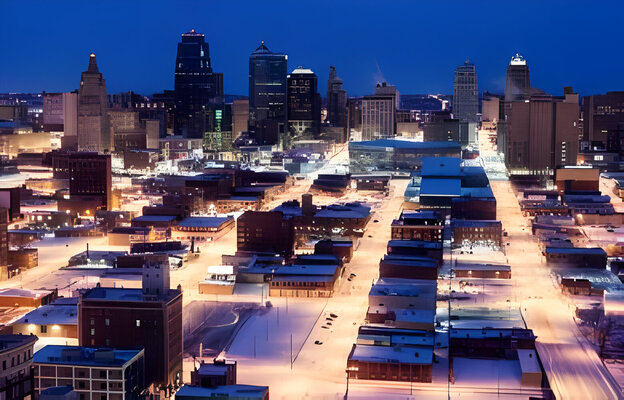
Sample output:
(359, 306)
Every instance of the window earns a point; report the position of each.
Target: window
(92, 321)
(43, 328)
(107, 322)
(92, 332)
(138, 322)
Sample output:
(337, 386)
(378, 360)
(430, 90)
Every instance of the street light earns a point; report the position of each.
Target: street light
(348, 371)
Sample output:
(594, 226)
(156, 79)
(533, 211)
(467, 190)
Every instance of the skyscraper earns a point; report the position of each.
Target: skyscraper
(267, 95)
(465, 93)
(517, 84)
(93, 130)
(336, 101)
(196, 86)
(379, 113)
(304, 105)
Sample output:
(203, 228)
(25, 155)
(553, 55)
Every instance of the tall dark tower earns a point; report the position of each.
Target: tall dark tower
(267, 95)
(304, 105)
(93, 129)
(518, 83)
(196, 86)
(466, 93)
(336, 101)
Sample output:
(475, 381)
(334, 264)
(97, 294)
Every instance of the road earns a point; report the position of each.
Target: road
(573, 368)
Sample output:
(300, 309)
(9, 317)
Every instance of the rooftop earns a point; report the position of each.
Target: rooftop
(576, 250)
(123, 294)
(204, 222)
(405, 144)
(85, 356)
(450, 187)
(52, 314)
(441, 166)
(220, 392)
(27, 293)
(155, 218)
(9, 342)
(392, 354)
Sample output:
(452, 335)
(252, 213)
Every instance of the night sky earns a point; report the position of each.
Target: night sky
(413, 44)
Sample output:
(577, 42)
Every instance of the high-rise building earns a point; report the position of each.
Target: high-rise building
(466, 94)
(541, 133)
(196, 85)
(379, 112)
(517, 83)
(336, 101)
(603, 121)
(218, 135)
(240, 117)
(304, 105)
(93, 129)
(150, 317)
(267, 95)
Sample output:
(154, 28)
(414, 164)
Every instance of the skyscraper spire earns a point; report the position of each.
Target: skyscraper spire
(92, 64)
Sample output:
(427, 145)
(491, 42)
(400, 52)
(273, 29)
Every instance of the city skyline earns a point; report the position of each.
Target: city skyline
(150, 37)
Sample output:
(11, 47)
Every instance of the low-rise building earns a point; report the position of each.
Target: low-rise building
(391, 363)
(423, 225)
(419, 248)
(482, 271)
(408, 267)
(14, 297)
(24, 258)
(17, 380)
(202, 229)
(490, 342)
(576, 257)
(410, 294)
(478, 233)
(93, 372)
(56, 320)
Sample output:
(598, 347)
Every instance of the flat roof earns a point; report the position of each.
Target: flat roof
(528, 361)
(123, 294)
(51, 314)
(392, 354)
(450, 187)
(8, 342)
(576, 250)
(218, 392)
(403, 287)
(405, 144)
(481, 267)
(441, 166)
(25, 293)
(154, 218)
(85, 356)
(204, 222)
(418, 244)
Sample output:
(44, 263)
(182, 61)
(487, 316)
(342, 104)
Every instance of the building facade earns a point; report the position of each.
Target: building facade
(304, 105)
(337, 113)
(17, 377)
(466, 93)
(267, 95)
(196, 85)
(379, 113)
(93, 128)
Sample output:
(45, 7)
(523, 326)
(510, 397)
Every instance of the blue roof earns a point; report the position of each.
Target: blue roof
(477, 192)
(415, 244)
(350, 210)
(79, 355)
(441, 166)
(473, 223)
(406, 144)
(204, 222)
(220, 392)
(440, 187)
(576, 250)
(122, 294)
(57, 391)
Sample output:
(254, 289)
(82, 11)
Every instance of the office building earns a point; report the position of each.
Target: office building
(541, 133)
(17, 380)
(240, 117)
(336, 102)
(150, 318)
(466, 93)
(90, 177)
(265, 231)
(379, 113)
(196, 85)
(267, 95)
(93, 129)
(603, 122)
(94, 373)
(517, 83)
(304, 105)
(60, 113)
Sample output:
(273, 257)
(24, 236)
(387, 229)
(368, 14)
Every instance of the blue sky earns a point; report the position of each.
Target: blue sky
(44, 45)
